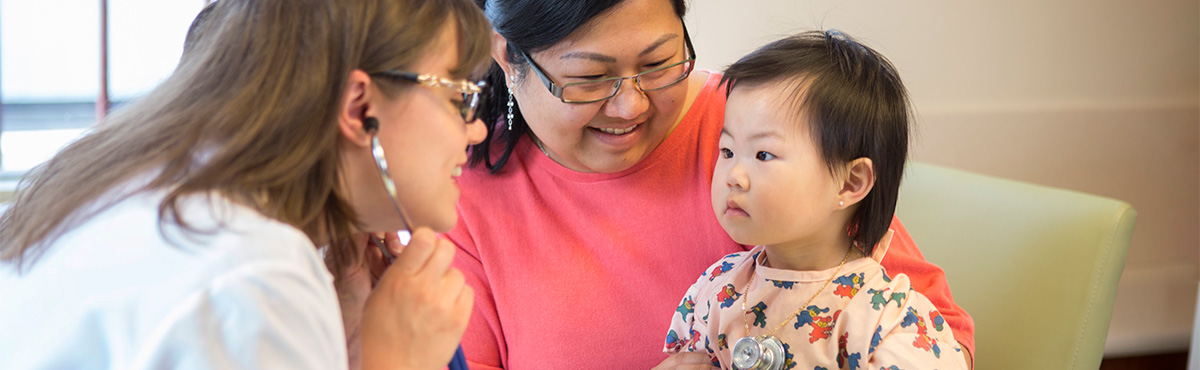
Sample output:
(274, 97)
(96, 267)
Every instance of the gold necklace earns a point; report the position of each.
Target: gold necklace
(765, 352)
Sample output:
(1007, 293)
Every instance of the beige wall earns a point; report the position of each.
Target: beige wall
(1097, 96)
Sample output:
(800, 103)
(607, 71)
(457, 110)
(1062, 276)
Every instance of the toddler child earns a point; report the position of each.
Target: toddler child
(811, 156)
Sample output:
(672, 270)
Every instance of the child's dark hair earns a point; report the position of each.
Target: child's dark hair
(857, 108)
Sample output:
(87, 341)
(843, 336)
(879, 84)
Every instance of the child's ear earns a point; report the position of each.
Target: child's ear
(857, 183)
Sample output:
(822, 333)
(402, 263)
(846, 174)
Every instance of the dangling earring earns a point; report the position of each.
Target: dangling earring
(509, 117)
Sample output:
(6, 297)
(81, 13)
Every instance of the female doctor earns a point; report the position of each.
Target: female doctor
(183, 230)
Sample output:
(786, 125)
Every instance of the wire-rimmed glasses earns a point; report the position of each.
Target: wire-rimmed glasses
(470, 91)
(606, 88)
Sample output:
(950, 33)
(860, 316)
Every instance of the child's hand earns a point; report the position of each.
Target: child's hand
(686, 361)
(419, 308)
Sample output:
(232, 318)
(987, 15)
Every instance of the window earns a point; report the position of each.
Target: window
(51, 58)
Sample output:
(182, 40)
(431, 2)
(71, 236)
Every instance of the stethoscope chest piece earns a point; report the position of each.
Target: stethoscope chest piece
(750, 353)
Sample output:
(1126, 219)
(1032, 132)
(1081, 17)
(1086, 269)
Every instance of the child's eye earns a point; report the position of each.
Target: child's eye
(726, 153)
(764, 156)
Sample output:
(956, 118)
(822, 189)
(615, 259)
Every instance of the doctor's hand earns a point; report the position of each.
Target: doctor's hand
(686, 361)
(416, 314)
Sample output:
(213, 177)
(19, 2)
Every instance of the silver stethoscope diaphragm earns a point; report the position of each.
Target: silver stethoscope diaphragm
(751, 353)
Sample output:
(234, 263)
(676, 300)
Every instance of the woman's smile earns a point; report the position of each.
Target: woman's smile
(619, 137)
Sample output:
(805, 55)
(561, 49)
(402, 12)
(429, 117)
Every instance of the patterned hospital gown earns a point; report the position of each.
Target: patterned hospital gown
(864, 319)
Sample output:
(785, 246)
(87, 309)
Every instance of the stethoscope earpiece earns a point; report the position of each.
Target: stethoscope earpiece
(371, 125)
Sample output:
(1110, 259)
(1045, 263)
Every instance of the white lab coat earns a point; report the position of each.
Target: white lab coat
(251, 293)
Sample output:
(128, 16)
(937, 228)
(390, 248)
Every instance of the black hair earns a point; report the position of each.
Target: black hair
(856, 105)
(530, 26)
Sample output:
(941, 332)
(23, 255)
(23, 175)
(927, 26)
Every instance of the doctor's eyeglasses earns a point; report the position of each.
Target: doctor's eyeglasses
(470, 91)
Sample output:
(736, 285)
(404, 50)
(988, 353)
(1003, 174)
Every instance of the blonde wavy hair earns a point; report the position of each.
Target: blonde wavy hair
(257, 93)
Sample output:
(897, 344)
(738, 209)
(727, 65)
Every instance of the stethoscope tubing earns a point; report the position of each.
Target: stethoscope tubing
(459, 361)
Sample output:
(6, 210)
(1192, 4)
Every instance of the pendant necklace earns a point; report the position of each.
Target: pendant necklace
(765, 352)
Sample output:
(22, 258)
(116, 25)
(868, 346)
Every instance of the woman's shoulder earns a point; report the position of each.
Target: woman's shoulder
(241, 229)
(710, 100)
(705, 116)
(219, 235)
(227, 231)
(123, 265)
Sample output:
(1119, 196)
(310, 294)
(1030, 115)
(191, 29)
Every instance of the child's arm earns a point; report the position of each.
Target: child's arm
(912, 334)
(680, 337)
(689, 330)
(903, 257)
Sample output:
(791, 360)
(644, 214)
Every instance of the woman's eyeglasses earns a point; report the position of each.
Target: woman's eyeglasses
(470, 91)
(605, 88)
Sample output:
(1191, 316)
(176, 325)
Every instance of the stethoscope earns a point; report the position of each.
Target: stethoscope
(371, 125)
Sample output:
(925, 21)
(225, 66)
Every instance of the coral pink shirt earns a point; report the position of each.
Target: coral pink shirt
(579, 270)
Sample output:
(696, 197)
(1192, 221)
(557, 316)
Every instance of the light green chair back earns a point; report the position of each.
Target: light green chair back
(1036, 267)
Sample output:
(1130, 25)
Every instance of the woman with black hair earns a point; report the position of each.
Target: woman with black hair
(587, 210)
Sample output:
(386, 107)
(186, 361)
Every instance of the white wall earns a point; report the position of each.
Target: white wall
(1098, 96)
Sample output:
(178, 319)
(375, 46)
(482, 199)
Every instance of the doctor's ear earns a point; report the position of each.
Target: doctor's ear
(857, 181)
(353, 120)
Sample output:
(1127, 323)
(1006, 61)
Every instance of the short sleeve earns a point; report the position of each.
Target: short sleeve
(679, 335)
(260, 316)
(914, 335)
(903, 257)
(684, 333)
